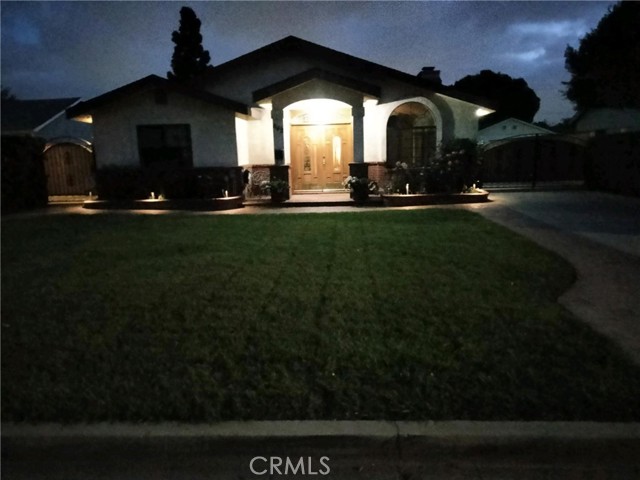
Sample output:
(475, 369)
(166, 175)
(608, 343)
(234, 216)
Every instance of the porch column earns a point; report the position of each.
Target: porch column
(277, 116)
(357, 112)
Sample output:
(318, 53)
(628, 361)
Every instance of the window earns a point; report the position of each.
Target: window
(165, 145)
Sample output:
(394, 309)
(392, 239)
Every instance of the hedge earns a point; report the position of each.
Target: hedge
(24, 182)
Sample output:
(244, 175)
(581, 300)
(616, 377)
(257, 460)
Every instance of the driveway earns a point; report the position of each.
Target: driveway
(599, 234)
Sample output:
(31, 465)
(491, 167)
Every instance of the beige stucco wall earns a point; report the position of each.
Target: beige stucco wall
(254, 138)
(213, 129)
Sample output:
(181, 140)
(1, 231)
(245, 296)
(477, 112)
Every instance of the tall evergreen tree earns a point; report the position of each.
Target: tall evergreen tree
(605, 68)
(189, 59)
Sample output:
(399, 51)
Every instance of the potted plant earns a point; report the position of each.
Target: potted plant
(360, 188)
(279, 190)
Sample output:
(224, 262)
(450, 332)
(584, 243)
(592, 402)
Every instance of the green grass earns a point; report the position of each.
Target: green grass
(430, 314)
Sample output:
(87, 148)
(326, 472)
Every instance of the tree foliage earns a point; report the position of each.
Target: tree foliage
(189, 58)
(7, 95)
(512, 97)
(605, 68)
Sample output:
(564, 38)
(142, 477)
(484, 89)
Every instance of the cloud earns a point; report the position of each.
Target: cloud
(86, 48)
(552, 28)
(528, 56)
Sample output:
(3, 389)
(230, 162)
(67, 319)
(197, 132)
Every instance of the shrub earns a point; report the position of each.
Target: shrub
(116, 182)
(455, 169)
(124, 182)
(402, 175)
(24, 182)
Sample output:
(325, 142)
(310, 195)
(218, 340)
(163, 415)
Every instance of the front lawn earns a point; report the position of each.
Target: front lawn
(429, 314)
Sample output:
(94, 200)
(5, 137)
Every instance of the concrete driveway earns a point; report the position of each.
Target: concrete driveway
(599, 234)
(612, 220)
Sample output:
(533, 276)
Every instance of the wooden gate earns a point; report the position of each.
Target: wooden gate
(70, 169)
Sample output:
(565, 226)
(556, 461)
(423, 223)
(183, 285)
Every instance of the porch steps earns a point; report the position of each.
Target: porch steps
(313, 200)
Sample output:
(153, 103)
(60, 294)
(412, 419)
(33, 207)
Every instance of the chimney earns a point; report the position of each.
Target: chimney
(430, 74)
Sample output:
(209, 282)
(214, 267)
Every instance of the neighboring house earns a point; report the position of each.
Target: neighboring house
(319, 113)
(606, 120)
(68, 158)
(520, 152)
(614, 145)
(509, 128)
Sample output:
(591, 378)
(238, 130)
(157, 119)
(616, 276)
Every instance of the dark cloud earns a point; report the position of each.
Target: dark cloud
(85, 48)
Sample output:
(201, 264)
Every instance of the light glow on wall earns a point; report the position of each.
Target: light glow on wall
(319, 111)
(84, 118)
(481, 112)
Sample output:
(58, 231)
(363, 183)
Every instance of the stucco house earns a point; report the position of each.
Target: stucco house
(310, 113)
(510, 128)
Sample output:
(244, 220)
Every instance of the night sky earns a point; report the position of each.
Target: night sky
(68, 49)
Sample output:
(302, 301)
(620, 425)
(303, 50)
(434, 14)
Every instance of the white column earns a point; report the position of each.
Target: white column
(277, 116)
(357, 112)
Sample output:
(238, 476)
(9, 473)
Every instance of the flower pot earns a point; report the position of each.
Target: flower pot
(278, 197)
(360, 196)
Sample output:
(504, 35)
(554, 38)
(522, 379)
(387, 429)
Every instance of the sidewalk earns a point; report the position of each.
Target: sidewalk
(606, 294)
(351, 450)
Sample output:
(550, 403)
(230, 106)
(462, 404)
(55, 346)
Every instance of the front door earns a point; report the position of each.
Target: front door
(320, 156)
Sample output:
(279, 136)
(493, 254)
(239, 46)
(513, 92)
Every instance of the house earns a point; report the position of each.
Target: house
(514, 151)
(606, 120)
(510, 128)
(68, 157)
(293, 109)
(614, 145)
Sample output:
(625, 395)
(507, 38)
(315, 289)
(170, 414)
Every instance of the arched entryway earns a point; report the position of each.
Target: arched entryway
(411, 135)
(321, 139)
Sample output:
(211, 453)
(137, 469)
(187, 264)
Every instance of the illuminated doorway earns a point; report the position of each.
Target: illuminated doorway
(321, 144)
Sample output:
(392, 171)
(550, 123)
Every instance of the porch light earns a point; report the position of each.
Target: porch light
(481, 112)
(83, 118)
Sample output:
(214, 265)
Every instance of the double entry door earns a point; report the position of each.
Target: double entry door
(320, 156)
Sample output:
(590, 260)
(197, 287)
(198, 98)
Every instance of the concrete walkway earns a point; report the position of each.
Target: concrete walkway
(600, 235)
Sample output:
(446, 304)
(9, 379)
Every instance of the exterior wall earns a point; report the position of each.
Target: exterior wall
(462, 115)
(456, 118)
(213, 136)
(254, 138)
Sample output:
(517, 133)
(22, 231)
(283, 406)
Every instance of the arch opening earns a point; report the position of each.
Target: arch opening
(411, 135)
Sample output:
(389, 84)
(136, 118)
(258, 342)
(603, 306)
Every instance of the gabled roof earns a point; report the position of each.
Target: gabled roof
(362, 69)
(28, 116)
(148, 83)
(531, 126)
(316, 74)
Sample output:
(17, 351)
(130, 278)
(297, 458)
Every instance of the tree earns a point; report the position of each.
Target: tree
(511, 97)
(605, 69)
(189, 59)
(7, 95)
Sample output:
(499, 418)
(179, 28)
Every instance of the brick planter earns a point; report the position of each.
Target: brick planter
(209, 204)
(396, 200)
